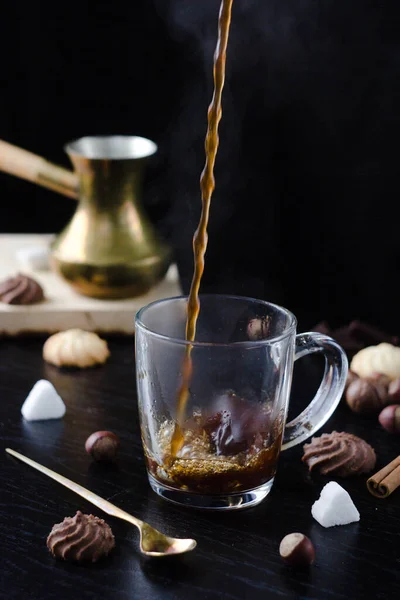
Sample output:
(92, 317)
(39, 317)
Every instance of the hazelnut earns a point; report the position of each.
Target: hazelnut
(366, 397)
(394, 392)
(102, 445)
(297, 550)
(389, 418)
(351, 376)
(257, 329)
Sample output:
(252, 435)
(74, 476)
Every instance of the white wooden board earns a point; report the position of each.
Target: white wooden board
(63, 307)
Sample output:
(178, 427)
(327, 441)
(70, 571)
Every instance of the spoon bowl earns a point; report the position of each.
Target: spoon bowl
(155, 543)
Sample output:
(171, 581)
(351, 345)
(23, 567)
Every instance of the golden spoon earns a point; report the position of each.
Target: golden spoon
(152, 542)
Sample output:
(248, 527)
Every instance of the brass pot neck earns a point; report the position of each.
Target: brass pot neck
(106, 184)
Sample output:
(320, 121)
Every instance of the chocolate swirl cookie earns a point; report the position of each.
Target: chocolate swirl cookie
(82, 538)
(20, 289)
(341, 454)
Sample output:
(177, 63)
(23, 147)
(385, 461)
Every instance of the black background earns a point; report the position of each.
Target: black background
(306, 209)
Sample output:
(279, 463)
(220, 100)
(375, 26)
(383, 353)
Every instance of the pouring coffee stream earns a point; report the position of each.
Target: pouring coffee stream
(207, 185)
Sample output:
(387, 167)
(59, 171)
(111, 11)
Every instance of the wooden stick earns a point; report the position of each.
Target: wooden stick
(383, 483)
(29, 166)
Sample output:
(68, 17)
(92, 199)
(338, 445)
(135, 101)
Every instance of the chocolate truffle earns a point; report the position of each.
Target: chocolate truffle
(394, 392)
(257, 329)
(366, 396)
(341, 454)
(236, 425)
(389, 418)
(351, 377)
(20, 289)
(82, 538)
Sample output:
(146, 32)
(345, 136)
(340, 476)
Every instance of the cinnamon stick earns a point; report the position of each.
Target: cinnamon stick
(383, 483)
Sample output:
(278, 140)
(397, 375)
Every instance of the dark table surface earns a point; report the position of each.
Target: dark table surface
(237, 555)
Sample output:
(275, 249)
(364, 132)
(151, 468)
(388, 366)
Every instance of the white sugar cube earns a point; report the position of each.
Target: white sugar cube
(43, 402)
(334, 507)
(34, 257)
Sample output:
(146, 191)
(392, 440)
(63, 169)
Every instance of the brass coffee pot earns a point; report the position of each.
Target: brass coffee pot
(109, 249)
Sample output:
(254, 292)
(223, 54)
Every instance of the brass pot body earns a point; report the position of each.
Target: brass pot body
(110, 249)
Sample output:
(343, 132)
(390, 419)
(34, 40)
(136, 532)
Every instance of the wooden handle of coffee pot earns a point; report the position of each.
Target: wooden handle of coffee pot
(24, 164)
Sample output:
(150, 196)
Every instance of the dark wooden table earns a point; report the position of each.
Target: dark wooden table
(237, 554)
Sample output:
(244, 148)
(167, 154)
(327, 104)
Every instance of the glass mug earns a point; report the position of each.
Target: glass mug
(234, 425)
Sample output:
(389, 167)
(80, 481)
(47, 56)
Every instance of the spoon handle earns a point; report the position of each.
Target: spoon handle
(101, 503)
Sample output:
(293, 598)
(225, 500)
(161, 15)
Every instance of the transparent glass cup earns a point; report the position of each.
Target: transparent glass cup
(234, 423)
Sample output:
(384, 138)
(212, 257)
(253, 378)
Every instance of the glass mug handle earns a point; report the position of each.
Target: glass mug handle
(329, 392)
